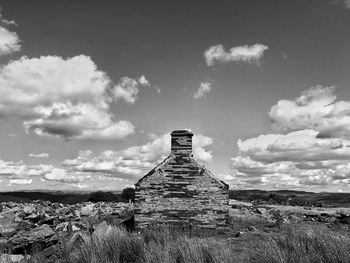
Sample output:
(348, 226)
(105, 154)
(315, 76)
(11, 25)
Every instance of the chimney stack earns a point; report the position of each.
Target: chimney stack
(181, 143)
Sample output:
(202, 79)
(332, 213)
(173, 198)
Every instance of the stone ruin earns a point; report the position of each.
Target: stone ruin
(181, 191)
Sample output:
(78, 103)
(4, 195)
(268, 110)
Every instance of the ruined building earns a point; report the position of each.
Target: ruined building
(181, 190)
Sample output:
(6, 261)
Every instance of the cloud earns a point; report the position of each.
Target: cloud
(61, 175)
(346, 3)
(39, 155)
(20, 181)
(9, 41)
(128, 88)
(312, 152)
(66, 98)
(251, 54)
(301, 145)
(203, 90)
(315, 109)
(19, 170)
(136, 160)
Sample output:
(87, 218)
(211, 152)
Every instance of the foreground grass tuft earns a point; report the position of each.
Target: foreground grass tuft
(303, 244)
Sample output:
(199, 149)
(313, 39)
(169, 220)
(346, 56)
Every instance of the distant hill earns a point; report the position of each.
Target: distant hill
(59, 196)
(283, 197)
(289, 197)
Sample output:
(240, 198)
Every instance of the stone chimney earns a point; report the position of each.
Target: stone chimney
(181, 143)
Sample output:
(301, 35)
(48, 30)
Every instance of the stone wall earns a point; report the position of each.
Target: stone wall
(181, 190)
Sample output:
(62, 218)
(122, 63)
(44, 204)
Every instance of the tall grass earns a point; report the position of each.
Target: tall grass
(156, 245)
(291, 244)
(306, 244)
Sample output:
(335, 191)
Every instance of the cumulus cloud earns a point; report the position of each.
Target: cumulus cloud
(317, 108)
(9, 41)
(301, 145)
(67, 98)
(39, 155)
(20, 170)
(136, 160)
(246, 53)
(62, 175)
(310, 152)
(203, 90)
(20, 181)
(128, 88)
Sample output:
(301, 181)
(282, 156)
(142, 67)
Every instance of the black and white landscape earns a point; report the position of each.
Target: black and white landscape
(90, 92)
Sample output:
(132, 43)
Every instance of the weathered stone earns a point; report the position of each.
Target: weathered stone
(180, 190)
(13, 258)
(8, 225)
(87, 210)
(42, 236)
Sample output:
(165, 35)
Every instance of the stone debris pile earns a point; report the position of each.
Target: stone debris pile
(25, 227)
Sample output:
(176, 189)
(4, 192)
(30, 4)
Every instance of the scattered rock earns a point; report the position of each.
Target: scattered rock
(13, 258)
(252, 229)
(42, 236)
(87, 210)
(8, 224)
(239, 234)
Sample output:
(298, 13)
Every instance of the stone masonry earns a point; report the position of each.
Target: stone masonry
(180, 190)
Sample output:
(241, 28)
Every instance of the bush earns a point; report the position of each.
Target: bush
(128, 194)
(101, 196)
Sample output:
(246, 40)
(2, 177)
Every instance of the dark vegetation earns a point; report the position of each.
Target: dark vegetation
(68, 197)
(288, 197)
(284, 197)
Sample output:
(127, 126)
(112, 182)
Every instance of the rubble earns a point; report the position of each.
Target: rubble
(25, 227)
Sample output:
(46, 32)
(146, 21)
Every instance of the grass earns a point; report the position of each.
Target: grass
(305, 243)
(294, 243)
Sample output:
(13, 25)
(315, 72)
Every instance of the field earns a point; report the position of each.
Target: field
(261, 229)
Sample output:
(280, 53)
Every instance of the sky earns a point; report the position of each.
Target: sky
(90, 90)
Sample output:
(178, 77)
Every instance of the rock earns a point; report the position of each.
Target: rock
(78, 239)
(42, 236)
(102, 230)
(261, 210)
(8, 225)
(72, 226)
(239, 234)
(252, 228)
(87, 210)
(13, 258)
(344, 219)
(29, 209)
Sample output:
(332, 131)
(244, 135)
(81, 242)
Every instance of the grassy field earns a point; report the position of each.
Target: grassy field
(306, 243)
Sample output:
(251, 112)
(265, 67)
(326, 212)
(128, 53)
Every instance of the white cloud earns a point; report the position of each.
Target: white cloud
(67, 98)
(62, 175)
(313, 153)
(203, 90)
(143, 81)
(20, 181)
(9, 41)
(128, 88)
(134, 161)
(315, 109)
(301, 145)
(251, 54)
(39, 155)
